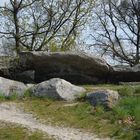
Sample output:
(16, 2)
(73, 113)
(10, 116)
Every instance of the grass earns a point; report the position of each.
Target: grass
(84, 116)
(102, 86)
(127, 91)
(14, 96)
(122, 122)
(137, 90)
(129, 106)
(81, 115)
(16, 132)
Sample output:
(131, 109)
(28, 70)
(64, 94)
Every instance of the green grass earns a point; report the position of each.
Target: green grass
(14, 96)
(122, 122)
(137, 90)
(129, 106)
(102, 86)
(127, 91)
(2, 98)
(83, 116)
(16, 132)
(97, 120)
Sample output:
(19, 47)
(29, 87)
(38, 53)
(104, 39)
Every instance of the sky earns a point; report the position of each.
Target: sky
(88, 39)
(2, 2)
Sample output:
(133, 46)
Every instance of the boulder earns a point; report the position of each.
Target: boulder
(107, 98)
(77, 68)
(57, 88)
(9, 87)
(125, 73)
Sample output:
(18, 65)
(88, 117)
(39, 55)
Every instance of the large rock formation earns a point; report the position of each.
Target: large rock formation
(124, 73)
(26, 76)
(8, 66)
(10, 87)
(77, 68)
(73, 67)
(57, 88)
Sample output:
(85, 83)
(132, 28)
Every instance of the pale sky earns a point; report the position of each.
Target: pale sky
(2, 2)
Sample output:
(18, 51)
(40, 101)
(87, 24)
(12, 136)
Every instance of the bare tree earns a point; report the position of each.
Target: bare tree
(11, 14)
(117, 29)
(35, 23)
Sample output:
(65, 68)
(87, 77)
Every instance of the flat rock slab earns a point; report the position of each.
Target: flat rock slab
(125, 73)
(78, 68)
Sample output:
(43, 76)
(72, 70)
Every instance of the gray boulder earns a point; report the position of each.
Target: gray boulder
(9, 87)
(57, 88)
(78, 68)
(107, 98)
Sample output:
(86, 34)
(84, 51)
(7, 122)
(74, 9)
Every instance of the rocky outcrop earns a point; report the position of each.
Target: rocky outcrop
(107, 98)
(57, 89)
(77, 68)
(125, 74)
(10, 87)
(26, 76)
(8, 66)
(73, 67)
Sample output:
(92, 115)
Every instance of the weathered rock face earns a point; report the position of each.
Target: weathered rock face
(125, 74)
(10, 87)
(57, 89)
(76, 68)
(8, 66)
(107, 98)
(26, 76)
(35, 67)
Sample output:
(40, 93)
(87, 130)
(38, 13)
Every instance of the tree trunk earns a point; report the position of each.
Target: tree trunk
(16, 22)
